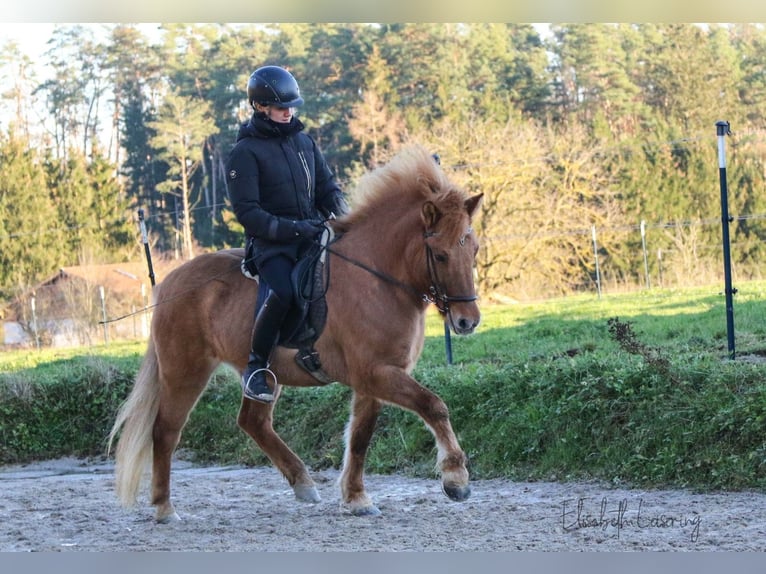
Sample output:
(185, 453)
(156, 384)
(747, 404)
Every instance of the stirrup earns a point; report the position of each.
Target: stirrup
(262, 393)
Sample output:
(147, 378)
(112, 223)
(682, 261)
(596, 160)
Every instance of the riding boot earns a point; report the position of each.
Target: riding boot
(268, 322)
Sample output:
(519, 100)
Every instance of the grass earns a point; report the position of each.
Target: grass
(632, 388)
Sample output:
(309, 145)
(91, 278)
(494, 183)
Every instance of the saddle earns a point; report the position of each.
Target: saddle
(307, 316)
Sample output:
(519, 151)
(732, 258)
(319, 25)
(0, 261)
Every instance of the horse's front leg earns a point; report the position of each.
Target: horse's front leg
(361, 424)
(256, 419)
(392, 384)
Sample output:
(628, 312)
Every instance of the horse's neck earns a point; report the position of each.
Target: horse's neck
(392, 253)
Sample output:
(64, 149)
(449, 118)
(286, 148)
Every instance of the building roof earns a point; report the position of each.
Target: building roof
(121, 281)
(116, 277)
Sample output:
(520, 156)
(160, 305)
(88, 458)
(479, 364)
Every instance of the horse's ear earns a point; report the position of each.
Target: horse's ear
(472, 203)
(430, 214)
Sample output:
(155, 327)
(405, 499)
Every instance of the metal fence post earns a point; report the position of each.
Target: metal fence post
(33, 305)
(722, 130)
(646, 258)
(103, 312)
(145, 241)
(595, 255)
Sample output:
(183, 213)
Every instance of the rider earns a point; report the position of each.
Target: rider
(281, 190)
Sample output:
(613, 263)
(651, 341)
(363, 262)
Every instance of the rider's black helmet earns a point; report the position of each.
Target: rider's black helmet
(273, 86)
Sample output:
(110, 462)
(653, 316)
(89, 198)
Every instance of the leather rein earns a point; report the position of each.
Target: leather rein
(437, 294)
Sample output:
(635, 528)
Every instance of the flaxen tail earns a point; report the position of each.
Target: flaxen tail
(136, 419)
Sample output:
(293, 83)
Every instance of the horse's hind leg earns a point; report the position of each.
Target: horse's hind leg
(178, 396)
(364, 414)
(256, 420)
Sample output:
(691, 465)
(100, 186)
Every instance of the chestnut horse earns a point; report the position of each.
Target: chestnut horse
(407, 243)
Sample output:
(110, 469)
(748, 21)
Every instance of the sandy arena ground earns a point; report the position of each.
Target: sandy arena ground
(69, 505)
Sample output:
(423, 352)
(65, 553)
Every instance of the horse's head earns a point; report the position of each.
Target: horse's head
(450, 249)
(411, 196)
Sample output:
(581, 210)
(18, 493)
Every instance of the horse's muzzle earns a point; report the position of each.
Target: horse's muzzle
(464, 325)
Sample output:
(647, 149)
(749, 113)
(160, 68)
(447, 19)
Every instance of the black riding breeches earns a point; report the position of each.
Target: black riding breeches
(275, 275)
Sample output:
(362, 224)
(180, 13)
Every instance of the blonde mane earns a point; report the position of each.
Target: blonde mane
(411, 176)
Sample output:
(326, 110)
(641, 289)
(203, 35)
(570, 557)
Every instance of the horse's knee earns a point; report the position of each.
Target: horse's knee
(439, 411)
(254, 416)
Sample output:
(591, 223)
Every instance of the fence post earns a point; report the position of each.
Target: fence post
(595, 255)
(447, 334)
(646, 258)
(722, 130)
(145, 241)
(33, 304)
(103, 312)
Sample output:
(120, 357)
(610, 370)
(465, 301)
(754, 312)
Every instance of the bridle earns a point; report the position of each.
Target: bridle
(437, 294)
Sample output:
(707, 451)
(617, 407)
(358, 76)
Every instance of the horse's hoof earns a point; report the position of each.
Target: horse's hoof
(306, 493)
(371, 510)
(169, 519)
(457, 493)
(363, 507)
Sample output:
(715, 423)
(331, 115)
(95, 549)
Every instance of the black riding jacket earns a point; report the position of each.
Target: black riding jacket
(276, 175)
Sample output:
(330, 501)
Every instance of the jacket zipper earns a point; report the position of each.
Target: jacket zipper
(306, 170)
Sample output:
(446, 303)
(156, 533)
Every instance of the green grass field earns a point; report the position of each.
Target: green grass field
(634, 388)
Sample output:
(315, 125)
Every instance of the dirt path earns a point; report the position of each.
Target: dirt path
(69, 505)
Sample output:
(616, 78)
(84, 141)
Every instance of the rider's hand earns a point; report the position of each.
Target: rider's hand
(308, 228)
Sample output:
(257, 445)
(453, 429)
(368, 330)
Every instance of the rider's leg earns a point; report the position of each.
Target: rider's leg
(275, 272)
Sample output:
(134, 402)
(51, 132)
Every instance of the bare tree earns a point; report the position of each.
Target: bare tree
(182, 127)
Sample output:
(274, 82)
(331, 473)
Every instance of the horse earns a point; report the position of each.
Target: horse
(407, 243)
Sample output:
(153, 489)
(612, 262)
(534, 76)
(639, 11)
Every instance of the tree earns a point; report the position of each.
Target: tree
(507, 70)
(688, 76)
(74, 93)
(592, 77)
(377, 127)
(92, 207)
(227, 65)
(750, 43)
(17, 71)
(329, 63)
(30, 232)
(135, 70)
(181, 128)
(110, 212)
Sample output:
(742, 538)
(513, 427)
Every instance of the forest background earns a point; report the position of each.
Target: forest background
(595, 145)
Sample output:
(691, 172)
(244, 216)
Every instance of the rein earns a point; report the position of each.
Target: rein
(437, 294)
